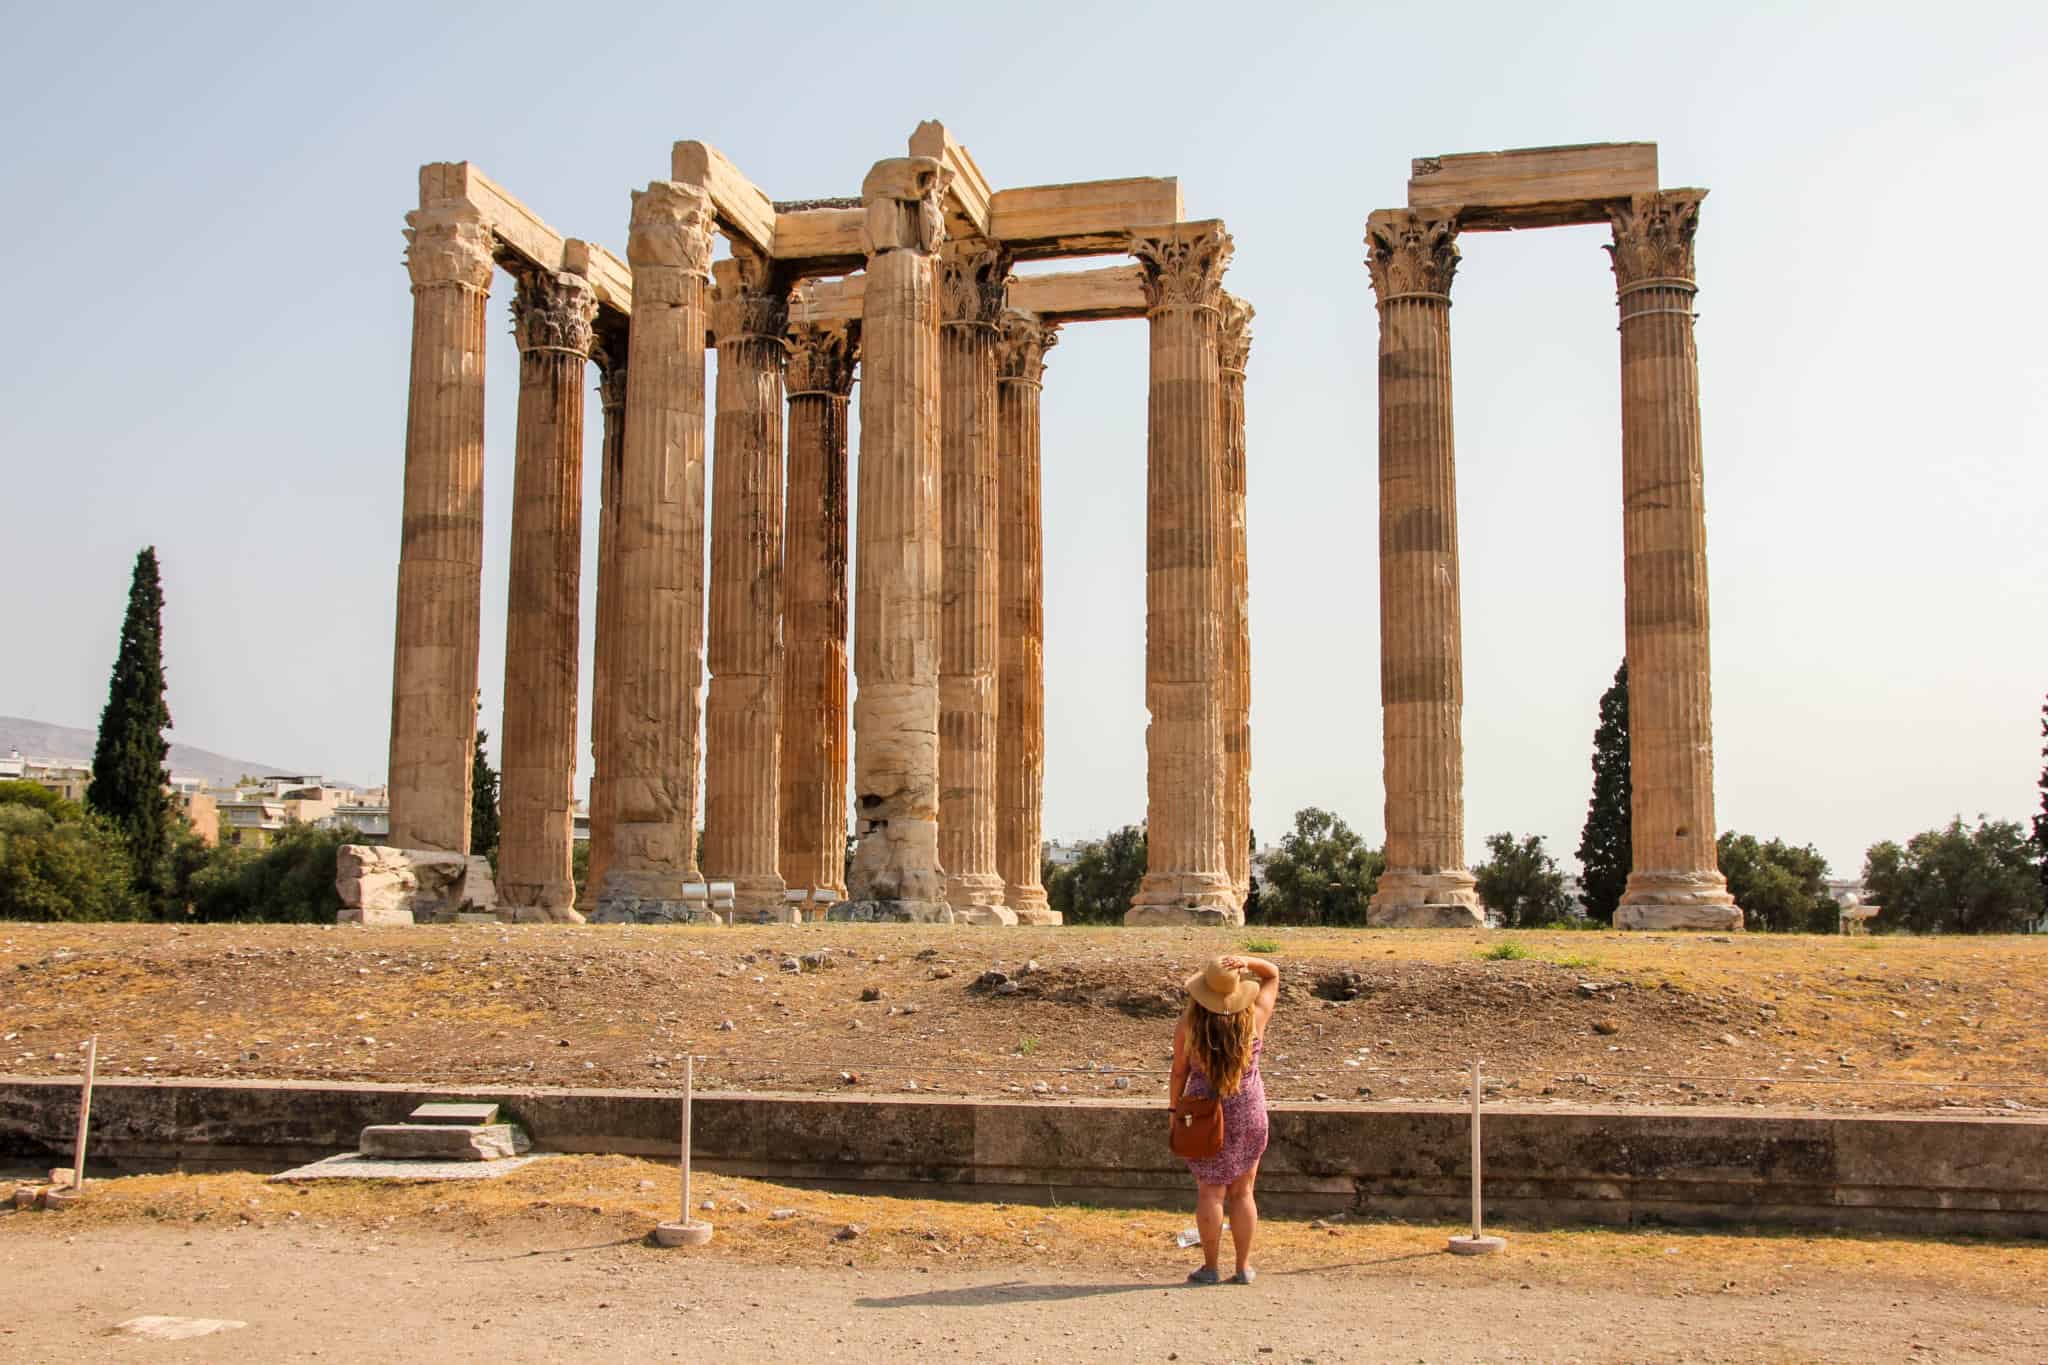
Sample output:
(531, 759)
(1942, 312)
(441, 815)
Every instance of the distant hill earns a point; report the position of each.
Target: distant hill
(36, 740)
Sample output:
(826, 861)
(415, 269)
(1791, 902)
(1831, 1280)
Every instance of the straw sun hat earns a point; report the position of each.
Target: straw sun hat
(1220, 990)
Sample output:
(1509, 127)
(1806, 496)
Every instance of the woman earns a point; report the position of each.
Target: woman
(1216, 1052)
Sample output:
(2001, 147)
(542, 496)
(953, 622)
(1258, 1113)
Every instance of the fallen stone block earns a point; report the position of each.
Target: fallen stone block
(444, 1112)
(441, 1141)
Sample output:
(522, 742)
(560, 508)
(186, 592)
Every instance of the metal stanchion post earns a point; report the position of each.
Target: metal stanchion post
(685, 1231)
(1478, 1244)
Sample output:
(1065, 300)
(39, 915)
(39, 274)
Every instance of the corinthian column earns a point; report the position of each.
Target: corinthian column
(1675, 882)
(896, 869)
(551, 316)
(743, 722)
(812, 850)
(1020, 690)
(441, 544)
(1236, 350)
(1412, 257)
(609, 353)
(972, 276)
(1187, 538)
(658, 665)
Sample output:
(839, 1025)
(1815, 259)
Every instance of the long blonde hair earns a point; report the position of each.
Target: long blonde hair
(1221, 1044)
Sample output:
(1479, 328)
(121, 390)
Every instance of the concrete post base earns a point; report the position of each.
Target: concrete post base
(690, 1234)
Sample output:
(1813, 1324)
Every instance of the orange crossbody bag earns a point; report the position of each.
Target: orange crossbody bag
(1197, 1131)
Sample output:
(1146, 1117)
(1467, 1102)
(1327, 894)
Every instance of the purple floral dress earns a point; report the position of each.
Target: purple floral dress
(1244, 1123)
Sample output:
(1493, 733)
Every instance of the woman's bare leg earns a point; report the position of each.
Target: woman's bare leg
(1244, 1215)
(1209, 1220)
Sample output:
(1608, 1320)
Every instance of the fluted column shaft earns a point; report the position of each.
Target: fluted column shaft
(1237, 713)
(1020, 712)
(441, 543)
(743, 728)
(812, 849)
(1187, 535)
(896, 871)
(1412, 258)
(1675, 882)
(610, 354)
(552, 316)
(972, 275)
(658, 667)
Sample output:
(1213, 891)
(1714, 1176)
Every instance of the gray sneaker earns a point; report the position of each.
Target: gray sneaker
(1245, 1276)
(1206, 1275)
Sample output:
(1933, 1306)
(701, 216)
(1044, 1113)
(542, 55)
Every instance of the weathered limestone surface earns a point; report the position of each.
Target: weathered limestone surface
(441, 1141)
(552, 317)
(1236, 349)
(440, 557)
(379, 884)
(609, 352)
(896, 871)
(1187, 533)
(1675, 882)
(970, 277)
(1412, 258)
(819, 381)
(658, 665)
(743, 727)
(1020, 711)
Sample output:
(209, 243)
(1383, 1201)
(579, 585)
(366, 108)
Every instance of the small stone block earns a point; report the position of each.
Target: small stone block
(57, 1200)
(440, 1141)
(694, 1233)
(28, 1196)
(439, 1111)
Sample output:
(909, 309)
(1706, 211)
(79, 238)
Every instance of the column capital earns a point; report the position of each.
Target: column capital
(1022, 339)
(608, 348)
(450, 244)
(554, 311)
(750, 302)
(1236, 340)
(1653, 238)
(1183, 264)
(901, 196)
(1411, 253)
(670, 236)
(822, 357)
(974, 278)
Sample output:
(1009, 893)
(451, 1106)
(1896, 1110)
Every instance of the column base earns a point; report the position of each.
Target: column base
(977, 898)
(1677, 900)
(1184, 898)
(890, 912)
(539, 914)
(627, 898)
(1030, 906)
(1425, 900)
(760, 900)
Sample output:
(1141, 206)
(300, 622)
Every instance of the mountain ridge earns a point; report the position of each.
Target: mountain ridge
(40, 739)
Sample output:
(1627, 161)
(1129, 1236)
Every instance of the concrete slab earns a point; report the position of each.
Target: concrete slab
(441, 1141)
(356, 1166)
(439, 1111)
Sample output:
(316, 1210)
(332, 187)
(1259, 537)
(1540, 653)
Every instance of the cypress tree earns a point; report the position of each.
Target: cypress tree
(128, 777)
(1606, 844)
(483, 799)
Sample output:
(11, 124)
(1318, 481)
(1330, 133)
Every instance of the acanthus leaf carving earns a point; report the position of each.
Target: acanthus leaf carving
(1183, 265)
(1022, 339)
(1234, 339)
(554, 311)
(752, 298)
(1653, 236)
(671, 230)
(1411, 253)
(974, 277)
(448, 244)
(902, 197)
(822, 358)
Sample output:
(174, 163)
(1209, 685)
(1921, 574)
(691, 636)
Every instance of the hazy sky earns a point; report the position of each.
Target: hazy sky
(208, 352)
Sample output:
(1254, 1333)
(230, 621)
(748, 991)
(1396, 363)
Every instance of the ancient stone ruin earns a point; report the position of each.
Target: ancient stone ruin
(909, 289)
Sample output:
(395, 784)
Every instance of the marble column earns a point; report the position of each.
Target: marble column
(812, 849)
(1675, 881)
(743, 717)
(441, 542)
(1412, 257)
(657, 668)
(1187, 536)
(972, 278)
(1020, 714)
(551, 317)
(609, 353)
(1236, 349)
(896, 869)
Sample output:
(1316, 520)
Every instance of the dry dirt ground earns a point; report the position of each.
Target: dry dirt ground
(552, 1264)
(1793, 1023)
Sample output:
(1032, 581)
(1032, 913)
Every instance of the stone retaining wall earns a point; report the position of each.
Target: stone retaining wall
(1949, 1176)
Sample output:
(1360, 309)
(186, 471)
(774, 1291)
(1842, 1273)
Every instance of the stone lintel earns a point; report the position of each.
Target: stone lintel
(520, 234)
(967, 197)
(742, 209)
(1533, 186)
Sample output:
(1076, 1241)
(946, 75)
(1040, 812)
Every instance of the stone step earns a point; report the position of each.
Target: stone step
(448, 1111)
(442, 1141)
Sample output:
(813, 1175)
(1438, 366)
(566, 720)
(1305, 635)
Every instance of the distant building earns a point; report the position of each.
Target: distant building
(251, 823)
(66, 777)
